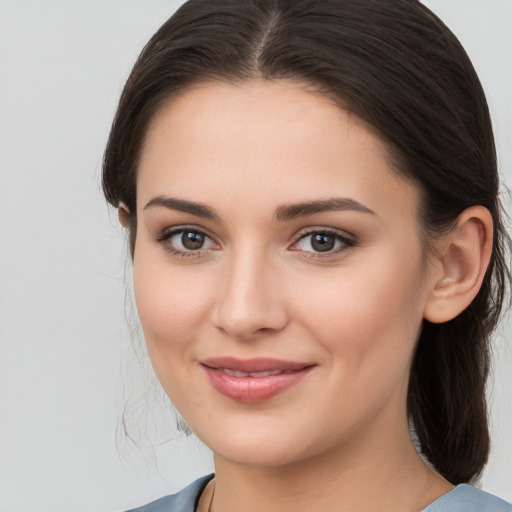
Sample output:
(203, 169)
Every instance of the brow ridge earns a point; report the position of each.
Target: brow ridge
(292, 211)
(182, 205)
(282, 213)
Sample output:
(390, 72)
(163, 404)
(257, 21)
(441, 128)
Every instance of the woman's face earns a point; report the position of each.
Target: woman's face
(278, 272)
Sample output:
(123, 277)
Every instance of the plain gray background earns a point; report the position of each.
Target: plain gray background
(66, 362)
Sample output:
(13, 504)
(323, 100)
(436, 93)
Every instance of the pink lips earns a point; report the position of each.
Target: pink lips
(253, 380)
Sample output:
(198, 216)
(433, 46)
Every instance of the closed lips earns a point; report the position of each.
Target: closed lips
(255, 367)
(236, 373)
(253, 380)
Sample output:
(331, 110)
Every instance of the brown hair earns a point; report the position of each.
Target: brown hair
(394, 64)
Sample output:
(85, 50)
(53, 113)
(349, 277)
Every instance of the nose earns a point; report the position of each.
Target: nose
(251, 298)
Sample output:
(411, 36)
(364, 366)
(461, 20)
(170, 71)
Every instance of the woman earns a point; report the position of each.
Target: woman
(310, 190)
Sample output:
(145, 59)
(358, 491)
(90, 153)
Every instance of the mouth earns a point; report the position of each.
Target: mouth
(253, 380)
(236, 373)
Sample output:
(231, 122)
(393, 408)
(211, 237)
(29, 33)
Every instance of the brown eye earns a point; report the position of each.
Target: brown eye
(322, 242)
(186, 242)
(192, 240)
(318, 242)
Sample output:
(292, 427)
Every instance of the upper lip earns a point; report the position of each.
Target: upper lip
(254, 365)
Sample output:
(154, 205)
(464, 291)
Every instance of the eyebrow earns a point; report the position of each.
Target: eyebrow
(292, 211)
(182, 205)
(282, 213)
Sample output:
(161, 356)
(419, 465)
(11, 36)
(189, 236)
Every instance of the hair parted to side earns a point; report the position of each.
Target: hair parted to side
(394, 64)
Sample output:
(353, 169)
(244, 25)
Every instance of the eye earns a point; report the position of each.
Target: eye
(322, 242)
(190, 240)
(186, 241)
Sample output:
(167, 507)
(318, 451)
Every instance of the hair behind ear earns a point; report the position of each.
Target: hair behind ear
(453, 434)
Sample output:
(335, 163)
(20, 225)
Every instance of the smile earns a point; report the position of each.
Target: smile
(253, 380)
(236, 373)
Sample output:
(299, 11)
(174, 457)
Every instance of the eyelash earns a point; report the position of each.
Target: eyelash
(344, 241)
(165, 237)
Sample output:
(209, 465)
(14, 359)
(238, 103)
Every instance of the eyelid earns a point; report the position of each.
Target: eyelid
(348, 240)
(166, 234)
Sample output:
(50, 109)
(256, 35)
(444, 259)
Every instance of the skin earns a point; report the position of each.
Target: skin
(339, 439)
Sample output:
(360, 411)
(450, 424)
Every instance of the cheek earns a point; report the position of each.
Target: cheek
(368, 313)
(171, 307)
(171, 310)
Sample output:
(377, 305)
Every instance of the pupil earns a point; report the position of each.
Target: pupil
(322, 243)
(192, 240)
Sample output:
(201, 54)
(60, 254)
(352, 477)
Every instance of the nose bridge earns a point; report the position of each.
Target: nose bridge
(250, 301)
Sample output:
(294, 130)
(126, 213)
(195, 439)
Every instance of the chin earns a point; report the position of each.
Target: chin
(268, 447)
(256, 456)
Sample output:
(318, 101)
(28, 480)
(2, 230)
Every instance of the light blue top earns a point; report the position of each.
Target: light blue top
(464, 498)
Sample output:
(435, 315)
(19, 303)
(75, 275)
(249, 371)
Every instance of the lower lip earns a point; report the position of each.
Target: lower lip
(253, 389)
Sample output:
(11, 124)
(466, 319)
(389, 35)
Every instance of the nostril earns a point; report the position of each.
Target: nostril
(252, 327)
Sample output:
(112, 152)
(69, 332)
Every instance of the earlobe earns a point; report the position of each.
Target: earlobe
(463, 259)
(123, 214)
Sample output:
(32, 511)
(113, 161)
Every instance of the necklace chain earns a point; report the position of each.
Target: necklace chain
(213, 494)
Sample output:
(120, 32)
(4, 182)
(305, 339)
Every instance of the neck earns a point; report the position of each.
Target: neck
(388, 475)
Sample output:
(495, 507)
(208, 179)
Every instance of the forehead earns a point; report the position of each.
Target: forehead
(272, 139)
(253, 111)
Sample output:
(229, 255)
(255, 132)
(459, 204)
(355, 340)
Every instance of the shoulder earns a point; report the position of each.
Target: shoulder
(466, 498)
(183, 501)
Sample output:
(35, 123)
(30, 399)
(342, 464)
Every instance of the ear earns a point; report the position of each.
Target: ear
(123, 214)
(461, 262)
